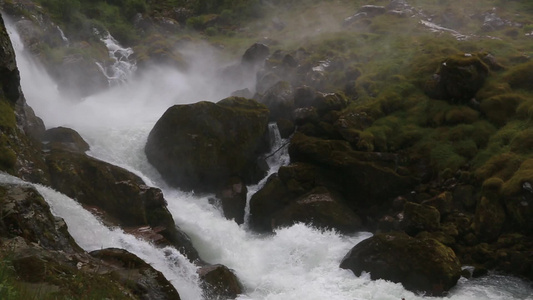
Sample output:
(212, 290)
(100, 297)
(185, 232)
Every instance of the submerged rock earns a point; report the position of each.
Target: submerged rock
(420, 265)
(200, 146)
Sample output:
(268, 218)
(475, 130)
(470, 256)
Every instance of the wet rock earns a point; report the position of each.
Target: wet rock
(319, 208)
(256, 54)
(64, 138)
(122, 195)
(420, 265)
(280, 101)
(144, 281)
(364, 180)
(419, 217)
(233, 199)
(26, 214)
(199, 146)
(219, 281)
(442, 202)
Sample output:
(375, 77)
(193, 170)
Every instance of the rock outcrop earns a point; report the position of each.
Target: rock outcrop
(201, 146)
(421, 265)
(123, 196)
(38, 251)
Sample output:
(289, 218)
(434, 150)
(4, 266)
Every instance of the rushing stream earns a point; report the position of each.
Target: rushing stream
(296, 263)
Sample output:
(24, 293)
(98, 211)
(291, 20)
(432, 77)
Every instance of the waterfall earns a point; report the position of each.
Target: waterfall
(298, 262)
(63, 37)
(122, 68)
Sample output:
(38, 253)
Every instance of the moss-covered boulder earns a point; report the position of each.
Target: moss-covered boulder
(458, 78)
(144, 281)
(420, 265)
(364, 179)
(200, 146)
(301, 193)
(420, 217)
(280, 101)
(219, 282)
(123, 196)
(319, 208)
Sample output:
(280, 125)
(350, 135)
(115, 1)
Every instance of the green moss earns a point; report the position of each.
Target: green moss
(524, 111)
(502, 166)
(499, 109)
(443, 156)
(522, 143)
(460, 114)
(7, 116)
(524, 174)
(493, 184)
(521, 76)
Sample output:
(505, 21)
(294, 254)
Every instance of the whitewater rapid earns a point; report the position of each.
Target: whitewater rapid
(299, 262)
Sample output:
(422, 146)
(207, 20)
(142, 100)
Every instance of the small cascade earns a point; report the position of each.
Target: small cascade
(279, 155)
(122, 68)
(63, 37)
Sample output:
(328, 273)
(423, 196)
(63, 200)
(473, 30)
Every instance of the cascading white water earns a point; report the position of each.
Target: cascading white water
(91, 235)
(295, 263)
(122, 68)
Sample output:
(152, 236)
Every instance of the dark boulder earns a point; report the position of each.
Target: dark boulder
(365, 179)
(144, 281)
(458, 78)
(420, 217)
(319, 208)
(26, 214)
(233, 199)
(219, 282)
(200, 146)
(298, 193)
(255, 55)
(64, 138)
(280, 101)
(420, 265)
(123, 196)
